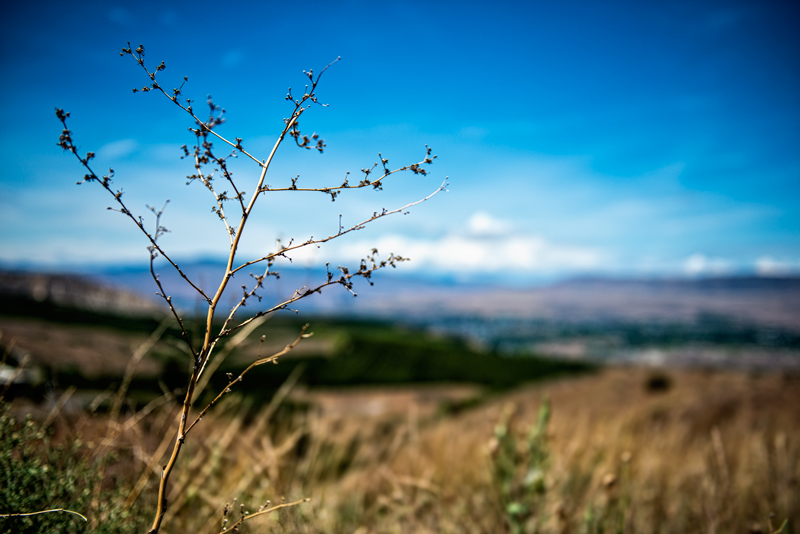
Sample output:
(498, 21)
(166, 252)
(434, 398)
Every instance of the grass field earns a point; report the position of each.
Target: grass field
(623, 450)
(364, 423)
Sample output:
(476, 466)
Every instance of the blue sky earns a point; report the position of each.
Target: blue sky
(619, 138)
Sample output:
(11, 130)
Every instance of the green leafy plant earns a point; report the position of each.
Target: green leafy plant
(520, 467)
(43, 484)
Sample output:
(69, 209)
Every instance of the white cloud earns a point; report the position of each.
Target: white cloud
(485, 245)
(483, 224)
(700, 264)
(768, 266)
(461, 254)
(118, 149)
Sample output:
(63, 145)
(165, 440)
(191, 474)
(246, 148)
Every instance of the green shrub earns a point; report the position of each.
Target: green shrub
(37, 475)
(520, 468)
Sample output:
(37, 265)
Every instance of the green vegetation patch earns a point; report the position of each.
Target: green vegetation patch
(37, 474)
(377, 353)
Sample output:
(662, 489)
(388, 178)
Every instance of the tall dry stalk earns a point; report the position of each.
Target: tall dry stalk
(204, 156)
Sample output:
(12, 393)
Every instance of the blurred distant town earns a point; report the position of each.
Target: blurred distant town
(737, 322)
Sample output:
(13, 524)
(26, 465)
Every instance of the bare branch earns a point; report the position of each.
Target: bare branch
(204, 155)
(359, 226)
(260, 361)
(161, 293)
(416, 168)
(262, 511)
(71, 512)
(65, 142)
(345, 280)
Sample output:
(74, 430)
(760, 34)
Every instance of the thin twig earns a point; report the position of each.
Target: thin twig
(353, 228)
(45, 512)
(168, 300)
(66, 143)
(376, 184)
(265, 511)
(234, 342)
(261, 361)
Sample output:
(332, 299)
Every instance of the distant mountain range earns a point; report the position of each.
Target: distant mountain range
(71, 291)
(766, 302)
(744, 322)
(771, 302)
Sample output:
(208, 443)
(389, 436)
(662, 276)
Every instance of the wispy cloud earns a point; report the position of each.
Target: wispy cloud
(769, 266)
(487, 245)
(483, 224)
(700, 265)
(118, 149)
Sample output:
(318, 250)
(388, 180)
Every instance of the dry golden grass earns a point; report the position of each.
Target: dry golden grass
(695, 452)
(716, 452)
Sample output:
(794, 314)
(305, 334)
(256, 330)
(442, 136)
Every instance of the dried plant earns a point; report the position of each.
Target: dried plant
(234, 209)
